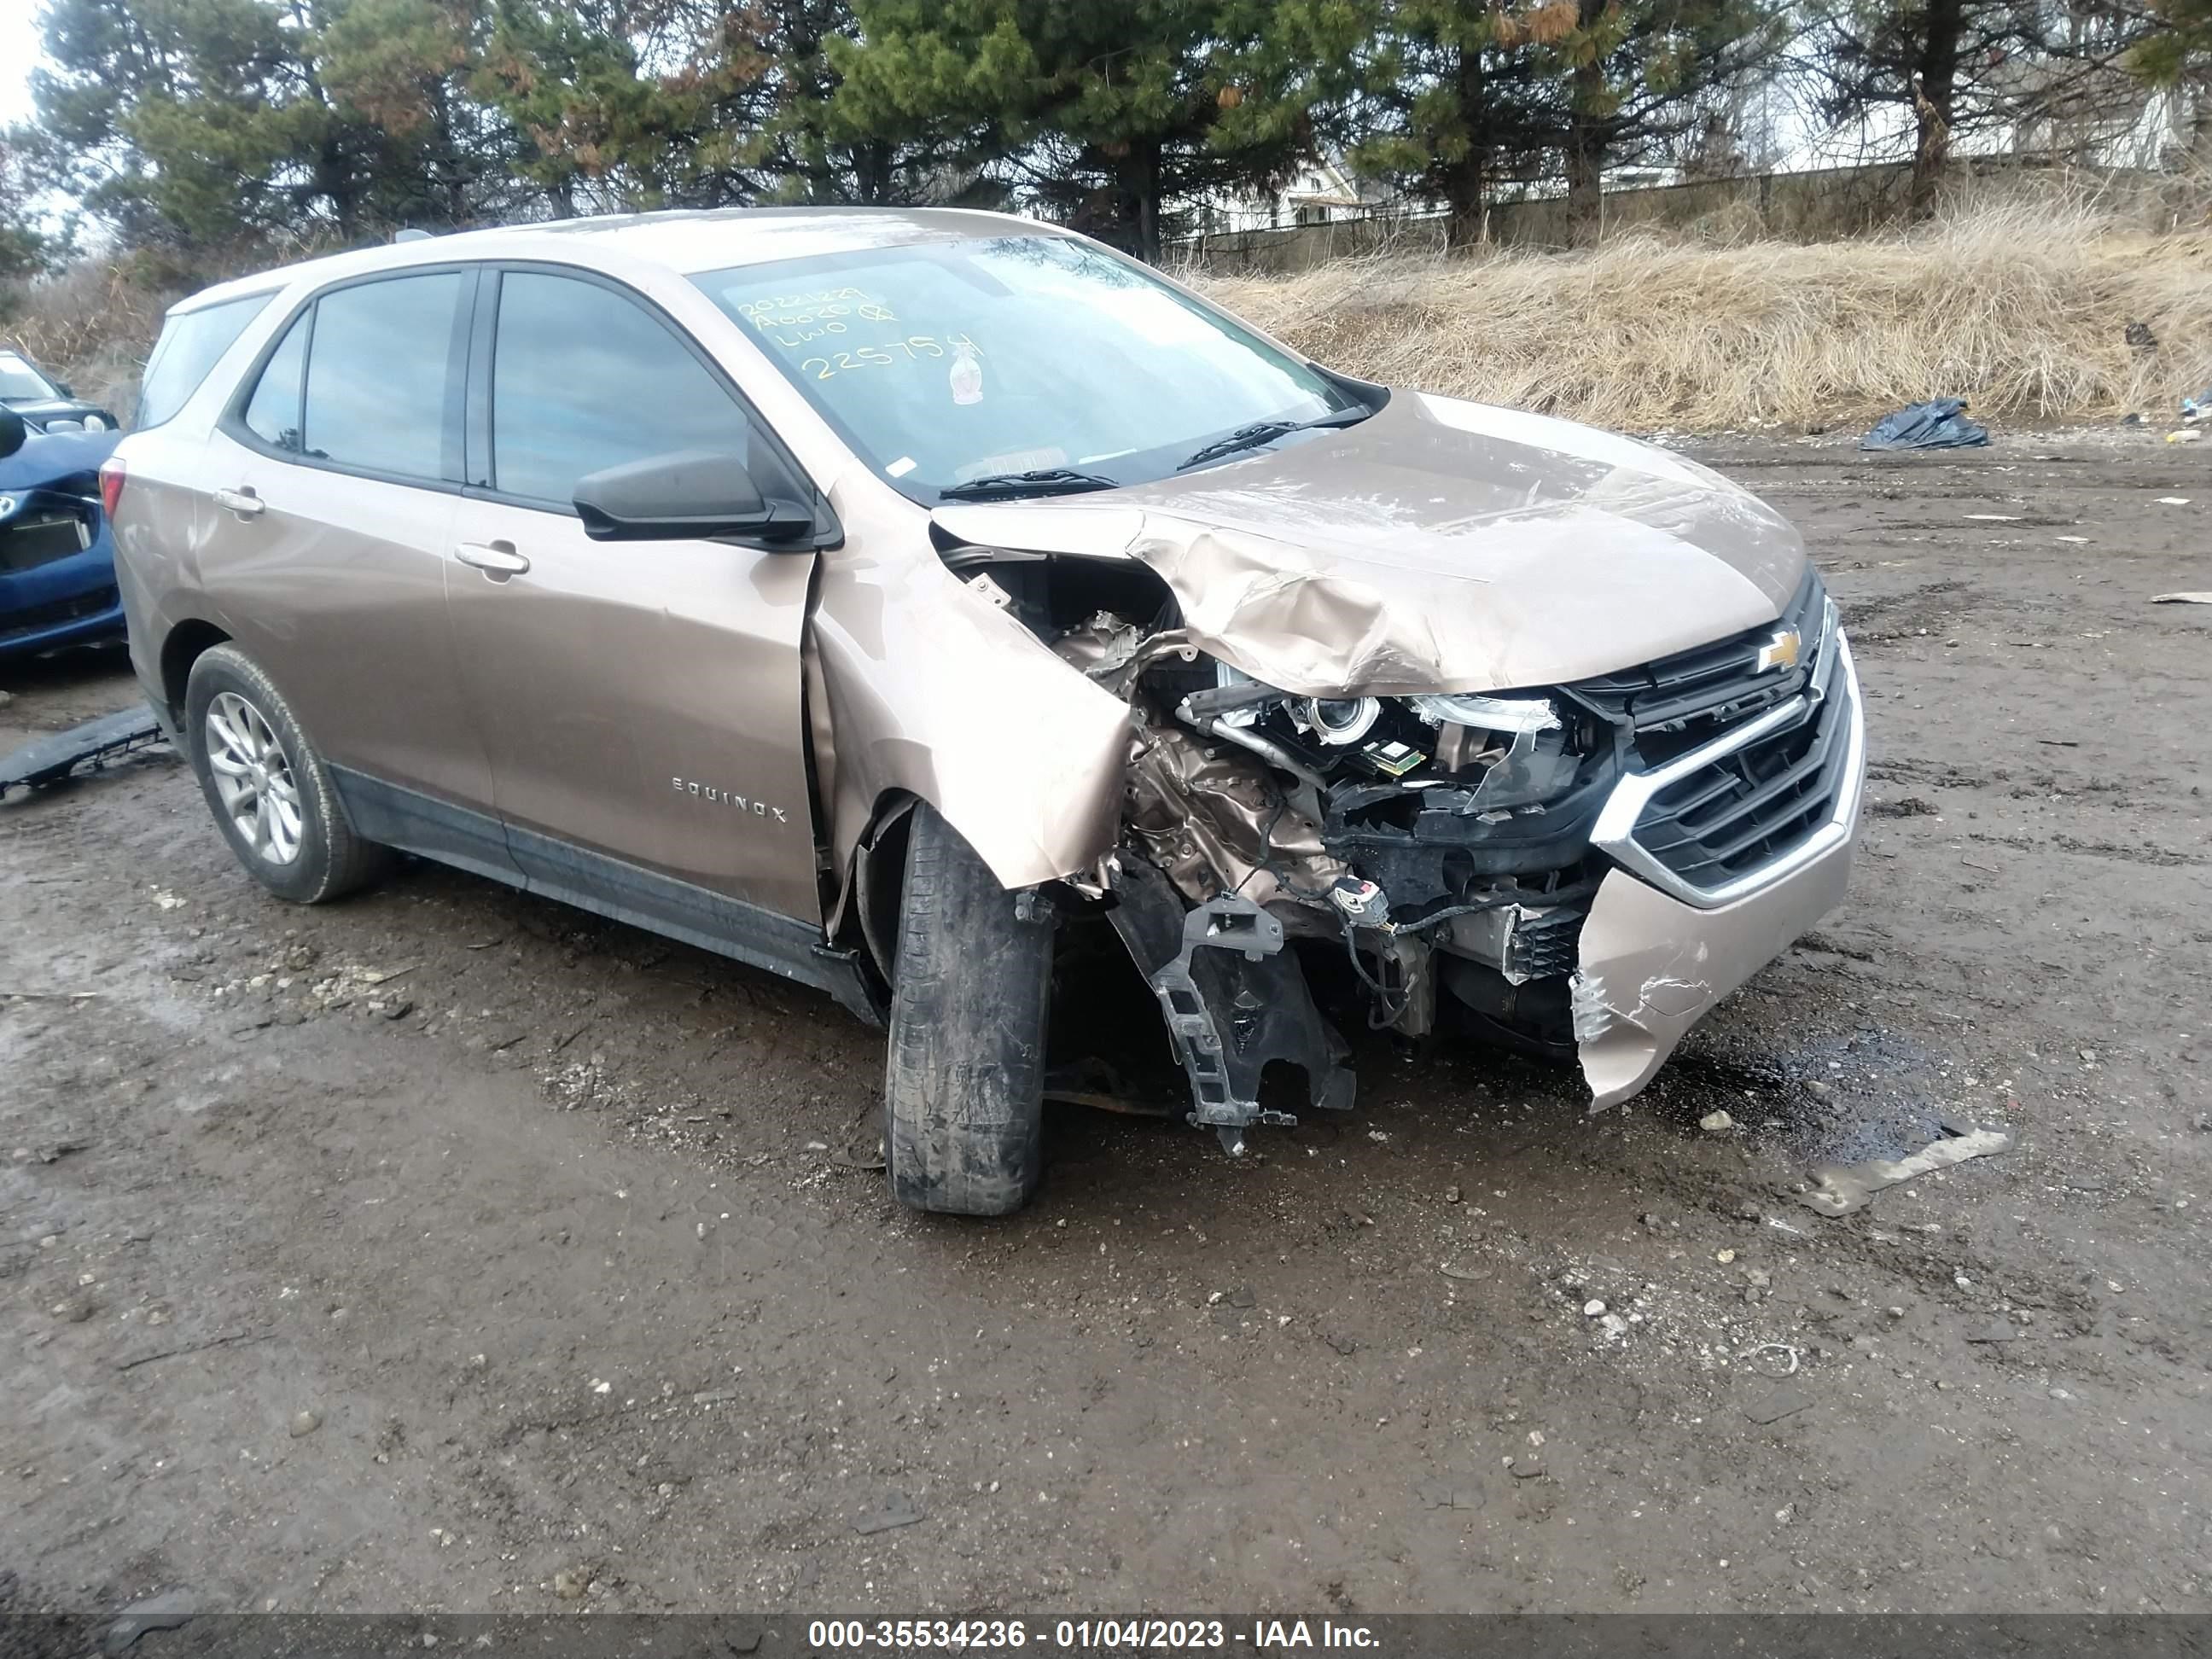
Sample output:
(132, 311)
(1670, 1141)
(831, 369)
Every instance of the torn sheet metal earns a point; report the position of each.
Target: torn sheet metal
(1438, 546)
(1208, 815)
(50, 759)
(1651, 966)
(1839, 1191)
(1235, 999)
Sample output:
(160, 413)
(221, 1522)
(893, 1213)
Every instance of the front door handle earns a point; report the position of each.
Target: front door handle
(497, 559)
(244, 502)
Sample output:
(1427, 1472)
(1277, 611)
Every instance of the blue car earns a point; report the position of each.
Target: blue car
(56, 561)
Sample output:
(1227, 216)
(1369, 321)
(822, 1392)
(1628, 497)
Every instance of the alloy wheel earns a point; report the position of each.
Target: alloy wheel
(253, 777)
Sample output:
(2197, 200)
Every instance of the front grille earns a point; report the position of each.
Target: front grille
(1741, 811)
(1697, 691)
(35, 619)
(1546, 943)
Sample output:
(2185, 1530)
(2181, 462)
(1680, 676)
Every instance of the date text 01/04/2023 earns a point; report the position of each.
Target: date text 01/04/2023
(1085, 1635)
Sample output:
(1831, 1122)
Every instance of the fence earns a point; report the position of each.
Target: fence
(1817, 205)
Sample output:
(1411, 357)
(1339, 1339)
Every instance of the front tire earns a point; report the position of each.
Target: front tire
(963, 1089)
(268, 788)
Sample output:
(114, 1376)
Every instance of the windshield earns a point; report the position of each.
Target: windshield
(19, 380)
(946, 363)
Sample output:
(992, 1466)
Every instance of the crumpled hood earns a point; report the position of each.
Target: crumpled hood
(1438, 546)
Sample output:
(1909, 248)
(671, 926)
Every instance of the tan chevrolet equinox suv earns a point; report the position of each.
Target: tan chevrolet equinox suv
(873, 596)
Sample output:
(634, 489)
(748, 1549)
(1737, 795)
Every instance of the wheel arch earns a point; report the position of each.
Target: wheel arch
(868, 919)
(186, 642)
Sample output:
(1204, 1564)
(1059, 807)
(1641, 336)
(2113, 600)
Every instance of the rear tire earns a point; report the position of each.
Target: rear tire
(963, 1089)
(268, 788)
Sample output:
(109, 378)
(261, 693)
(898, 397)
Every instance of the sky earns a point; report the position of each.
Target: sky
(18, 55)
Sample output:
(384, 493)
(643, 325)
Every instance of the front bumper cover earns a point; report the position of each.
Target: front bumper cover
(1653, 962)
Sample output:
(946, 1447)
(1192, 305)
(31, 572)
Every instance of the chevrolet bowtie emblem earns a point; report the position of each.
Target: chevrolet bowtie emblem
(1780, 652)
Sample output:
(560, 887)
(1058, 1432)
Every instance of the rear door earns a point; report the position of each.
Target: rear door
(642, 700)
(335, 478)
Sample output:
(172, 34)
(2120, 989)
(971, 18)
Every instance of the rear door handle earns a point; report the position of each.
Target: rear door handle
(496, 558)
(243, 502)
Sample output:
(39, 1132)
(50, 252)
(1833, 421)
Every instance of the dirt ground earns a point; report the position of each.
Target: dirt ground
(448, 1250)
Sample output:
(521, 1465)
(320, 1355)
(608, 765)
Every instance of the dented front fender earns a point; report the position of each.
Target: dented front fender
(934, 692)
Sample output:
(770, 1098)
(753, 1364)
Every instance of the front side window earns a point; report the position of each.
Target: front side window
(20, 380)
(584, 379)
(379, 376)
(951, 362)
(188, 347)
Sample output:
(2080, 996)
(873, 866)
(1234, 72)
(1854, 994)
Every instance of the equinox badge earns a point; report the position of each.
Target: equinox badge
(1780, 652)
(759, 809)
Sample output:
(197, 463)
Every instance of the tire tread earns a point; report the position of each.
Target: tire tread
(964, 1078)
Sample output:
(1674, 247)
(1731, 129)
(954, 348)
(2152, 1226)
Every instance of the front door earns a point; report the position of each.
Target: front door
(642, 700)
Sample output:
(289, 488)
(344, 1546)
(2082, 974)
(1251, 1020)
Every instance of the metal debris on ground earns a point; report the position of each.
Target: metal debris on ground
(1939, 423)
(896, 1510)
(2181, 599)
(1839, 1191)
(50, 759)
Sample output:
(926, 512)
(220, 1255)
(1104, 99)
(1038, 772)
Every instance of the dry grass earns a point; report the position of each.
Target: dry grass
(2020, 305)
(93, 326)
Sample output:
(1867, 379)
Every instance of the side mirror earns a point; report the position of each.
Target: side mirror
(694, 494)
(12, 431)
(65, 388)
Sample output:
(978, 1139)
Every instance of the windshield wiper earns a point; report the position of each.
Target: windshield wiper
(1266, 431)
(1044, 481)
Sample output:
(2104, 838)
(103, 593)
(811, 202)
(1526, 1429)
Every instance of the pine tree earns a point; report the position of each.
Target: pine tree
(1110, 117)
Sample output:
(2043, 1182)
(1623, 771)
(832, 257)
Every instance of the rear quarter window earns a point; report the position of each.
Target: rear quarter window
(187, 349)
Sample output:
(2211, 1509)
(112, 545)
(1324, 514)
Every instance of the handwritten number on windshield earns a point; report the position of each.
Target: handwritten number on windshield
(914, 346)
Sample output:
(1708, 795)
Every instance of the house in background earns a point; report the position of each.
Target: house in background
(1324, 192)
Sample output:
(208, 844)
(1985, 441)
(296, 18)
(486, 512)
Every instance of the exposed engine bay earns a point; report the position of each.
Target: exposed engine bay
(1441, 842)
(1432, 835)
(1450, 846)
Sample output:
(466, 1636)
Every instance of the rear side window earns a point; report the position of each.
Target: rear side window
(381, 392)
(187, 349)
(272, 414)
(584, 379)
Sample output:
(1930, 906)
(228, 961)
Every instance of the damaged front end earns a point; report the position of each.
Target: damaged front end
(1576, 869)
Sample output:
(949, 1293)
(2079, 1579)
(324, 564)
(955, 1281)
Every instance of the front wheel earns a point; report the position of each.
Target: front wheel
(268, 788)
(963, 1090)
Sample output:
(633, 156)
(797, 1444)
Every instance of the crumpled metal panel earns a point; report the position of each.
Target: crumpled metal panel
(1207, 814)
(1651, 967)
(1438, 546)
(934, 691)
